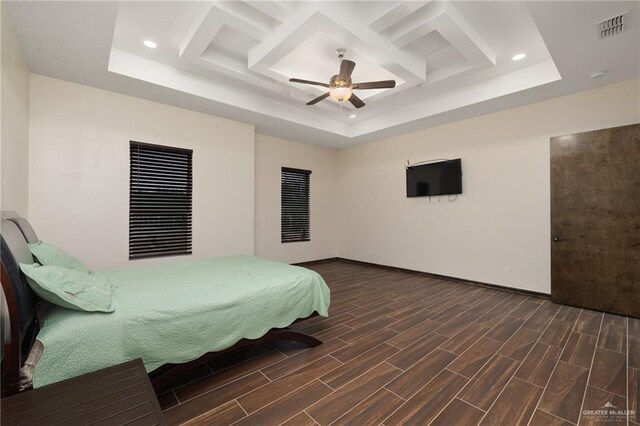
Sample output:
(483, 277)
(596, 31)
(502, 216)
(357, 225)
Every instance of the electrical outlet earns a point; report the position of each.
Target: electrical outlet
(507, 270)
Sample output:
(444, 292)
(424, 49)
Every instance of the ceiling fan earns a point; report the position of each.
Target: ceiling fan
(340, 86)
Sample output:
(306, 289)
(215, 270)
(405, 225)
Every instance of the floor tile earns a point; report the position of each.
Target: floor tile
(564, 393)
(598, 399)
(515, 406)
(464, 339)
(278, 369)
(341, 401)
(301, 419)
(415, 352)
(519, 345)
(419, 374)
(287, 407)
(609, 371)
(214, 398)
(223, 415)
(634, 393)
(539, 364)
(268, 393)
(579, 349)
(343, 374)
(505, 328)
(458, 413)
(540, 418)
(372, 410)
(472, 360)
(425, 405)
(589, 322)
(485, 387)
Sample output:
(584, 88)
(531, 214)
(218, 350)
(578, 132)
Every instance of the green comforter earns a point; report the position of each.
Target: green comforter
(175, 313)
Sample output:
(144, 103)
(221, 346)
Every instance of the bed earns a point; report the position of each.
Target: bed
(173, 316)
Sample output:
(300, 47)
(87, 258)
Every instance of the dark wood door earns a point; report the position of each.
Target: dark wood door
(595, 220)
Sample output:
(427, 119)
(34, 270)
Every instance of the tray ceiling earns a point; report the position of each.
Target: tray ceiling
(450, 60)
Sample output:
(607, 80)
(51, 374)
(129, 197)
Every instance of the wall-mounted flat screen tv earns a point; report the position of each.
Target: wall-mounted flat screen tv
(437, 178)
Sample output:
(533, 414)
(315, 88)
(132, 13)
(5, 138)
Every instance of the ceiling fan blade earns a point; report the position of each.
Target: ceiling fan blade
(346, 68)
(318, 99)
(356, 101)
(385, 84)
(313, 83)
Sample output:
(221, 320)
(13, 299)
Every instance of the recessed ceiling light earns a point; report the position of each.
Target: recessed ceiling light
(150, 44)
(519, 56)
(352, 116)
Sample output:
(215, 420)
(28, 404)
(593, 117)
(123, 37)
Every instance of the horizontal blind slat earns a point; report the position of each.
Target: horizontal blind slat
(160, 203)
(295, 205)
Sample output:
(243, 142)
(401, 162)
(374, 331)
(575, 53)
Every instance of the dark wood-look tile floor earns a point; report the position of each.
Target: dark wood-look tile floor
(402, 348)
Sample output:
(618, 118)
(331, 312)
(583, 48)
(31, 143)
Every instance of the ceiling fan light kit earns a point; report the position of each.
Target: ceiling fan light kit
(340, 85)
(340, 94)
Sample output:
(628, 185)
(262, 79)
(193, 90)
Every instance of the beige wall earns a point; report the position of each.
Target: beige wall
(79, 184)
(14, 107)
(502, 219)
(79, 171)
(271, 155)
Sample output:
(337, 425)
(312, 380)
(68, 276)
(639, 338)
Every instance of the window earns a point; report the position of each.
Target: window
(295, 205)
(159, 201)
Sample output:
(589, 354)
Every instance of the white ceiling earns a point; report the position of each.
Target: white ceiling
(451, 59)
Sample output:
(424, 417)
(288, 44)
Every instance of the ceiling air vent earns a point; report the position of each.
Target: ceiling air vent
(611, 26)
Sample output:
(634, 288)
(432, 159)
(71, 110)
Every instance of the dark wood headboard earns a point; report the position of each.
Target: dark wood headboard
(22, 304)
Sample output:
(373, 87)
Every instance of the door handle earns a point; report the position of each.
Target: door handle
(555, 238)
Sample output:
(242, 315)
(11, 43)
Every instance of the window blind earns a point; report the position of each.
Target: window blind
(295, 205)
(160, 197)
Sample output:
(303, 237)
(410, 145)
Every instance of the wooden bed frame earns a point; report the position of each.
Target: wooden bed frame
(162, 377)
(16, 348)
(21, 339)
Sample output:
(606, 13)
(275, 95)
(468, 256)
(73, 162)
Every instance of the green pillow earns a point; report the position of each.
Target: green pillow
(70, 289)
(46, 254)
